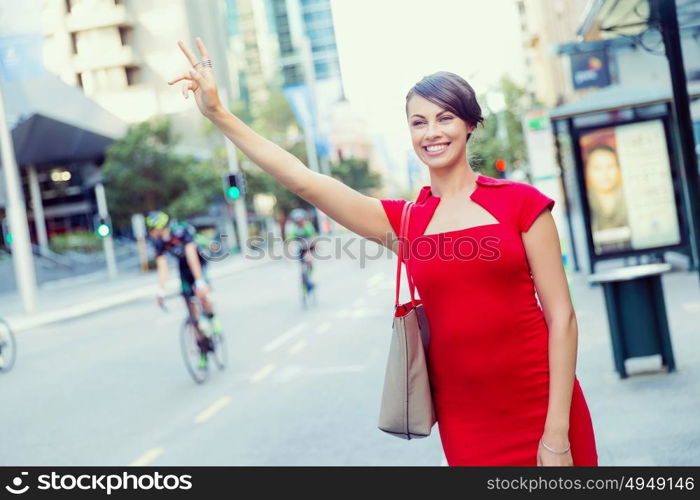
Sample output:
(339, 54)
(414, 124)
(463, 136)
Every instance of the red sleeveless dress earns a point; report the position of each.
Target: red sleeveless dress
(488, 355)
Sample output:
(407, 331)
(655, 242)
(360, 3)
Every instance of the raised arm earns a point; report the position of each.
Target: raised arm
(361, 214)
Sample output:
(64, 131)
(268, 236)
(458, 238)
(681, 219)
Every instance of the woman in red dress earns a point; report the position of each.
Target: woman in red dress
(486, 261)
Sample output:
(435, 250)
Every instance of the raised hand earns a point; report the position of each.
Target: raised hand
(199, 80)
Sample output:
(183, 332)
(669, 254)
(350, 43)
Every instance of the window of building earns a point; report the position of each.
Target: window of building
(74, 43)
(322, 69)
(125, 35)
(317, 16)
(310, 3)
(292, 75)
(286, 47)
(320, 33)
(132, 75)
(79, 78)
(324, 48)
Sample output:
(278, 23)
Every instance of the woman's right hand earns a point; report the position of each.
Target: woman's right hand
(200, 80)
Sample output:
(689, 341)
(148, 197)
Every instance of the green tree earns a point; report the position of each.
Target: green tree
(356, 174)
(275, 121)
(502, 134)
(142, 173)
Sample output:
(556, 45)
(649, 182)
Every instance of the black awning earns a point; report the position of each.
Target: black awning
(41, 139)
(54, 122)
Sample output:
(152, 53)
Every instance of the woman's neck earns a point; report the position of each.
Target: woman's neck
(456, 180)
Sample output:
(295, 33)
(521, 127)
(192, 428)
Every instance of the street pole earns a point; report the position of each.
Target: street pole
(38, 210)
(107, 241)
(310, 134)
(684, 123)
(22, 258)
(239, 209)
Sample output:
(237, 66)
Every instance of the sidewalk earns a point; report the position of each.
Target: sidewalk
(74, 297)
(650, 418)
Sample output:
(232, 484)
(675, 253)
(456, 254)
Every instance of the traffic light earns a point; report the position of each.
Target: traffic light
(234, 186)
(7, 235)
(103, 228)
(501, 167)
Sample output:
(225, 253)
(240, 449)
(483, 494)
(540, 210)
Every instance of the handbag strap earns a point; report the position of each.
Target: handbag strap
(404, 257)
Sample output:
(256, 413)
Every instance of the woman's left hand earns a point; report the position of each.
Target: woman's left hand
(546, 458)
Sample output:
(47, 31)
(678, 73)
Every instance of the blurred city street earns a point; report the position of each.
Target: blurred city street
(303, 386)
(147, 147)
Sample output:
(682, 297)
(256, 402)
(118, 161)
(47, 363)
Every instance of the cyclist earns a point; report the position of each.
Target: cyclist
(178, 239)
(300, 229)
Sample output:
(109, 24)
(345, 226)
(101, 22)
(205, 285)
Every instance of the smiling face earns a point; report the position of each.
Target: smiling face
(439, 136)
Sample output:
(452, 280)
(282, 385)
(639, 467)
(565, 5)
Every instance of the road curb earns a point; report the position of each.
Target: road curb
(28, 322)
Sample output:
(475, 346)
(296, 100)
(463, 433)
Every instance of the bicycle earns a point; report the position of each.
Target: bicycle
(191, 345)
(8, 347)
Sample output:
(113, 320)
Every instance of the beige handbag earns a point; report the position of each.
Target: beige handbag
(407, 405)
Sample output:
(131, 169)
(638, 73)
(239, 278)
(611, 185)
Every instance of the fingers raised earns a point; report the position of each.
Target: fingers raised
(202, 49)
(188, 53)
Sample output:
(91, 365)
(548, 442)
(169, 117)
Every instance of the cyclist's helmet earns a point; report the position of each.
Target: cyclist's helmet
(298, 215)
(157, 220)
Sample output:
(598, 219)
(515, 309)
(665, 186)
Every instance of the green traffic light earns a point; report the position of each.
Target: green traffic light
(8, 238)
(233, 192)
(103, 230)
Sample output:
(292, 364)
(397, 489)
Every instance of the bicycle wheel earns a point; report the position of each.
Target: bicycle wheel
(220, 353)
(8, 347)
(191, 352)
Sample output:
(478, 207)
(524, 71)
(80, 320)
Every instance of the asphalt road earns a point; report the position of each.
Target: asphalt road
(302, 388)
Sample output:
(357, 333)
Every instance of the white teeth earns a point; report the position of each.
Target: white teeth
(438, 147)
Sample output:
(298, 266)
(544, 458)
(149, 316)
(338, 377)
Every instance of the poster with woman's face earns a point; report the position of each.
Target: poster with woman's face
(629, 188)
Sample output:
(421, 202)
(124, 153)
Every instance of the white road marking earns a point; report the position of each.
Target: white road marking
(147, 457)
(323, 327)
(212, 410)
(297, 347)
(284, 338)
(262, 373)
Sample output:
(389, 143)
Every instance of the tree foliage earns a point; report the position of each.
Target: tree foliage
(502, 134)
(143, 173)
(275, 121)
(356, 174)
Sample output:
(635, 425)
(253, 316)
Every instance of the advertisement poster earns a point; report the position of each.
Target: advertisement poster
(629, 188)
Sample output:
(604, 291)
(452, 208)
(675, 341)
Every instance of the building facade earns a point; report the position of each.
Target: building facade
(544, 24)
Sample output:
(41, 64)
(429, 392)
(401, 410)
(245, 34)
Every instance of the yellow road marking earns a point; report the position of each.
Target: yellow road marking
(212, 410)
(147, 457)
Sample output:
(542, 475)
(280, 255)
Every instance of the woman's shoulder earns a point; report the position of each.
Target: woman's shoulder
(512, 185)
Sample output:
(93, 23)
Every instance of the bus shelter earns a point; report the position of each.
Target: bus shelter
(618, 151)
